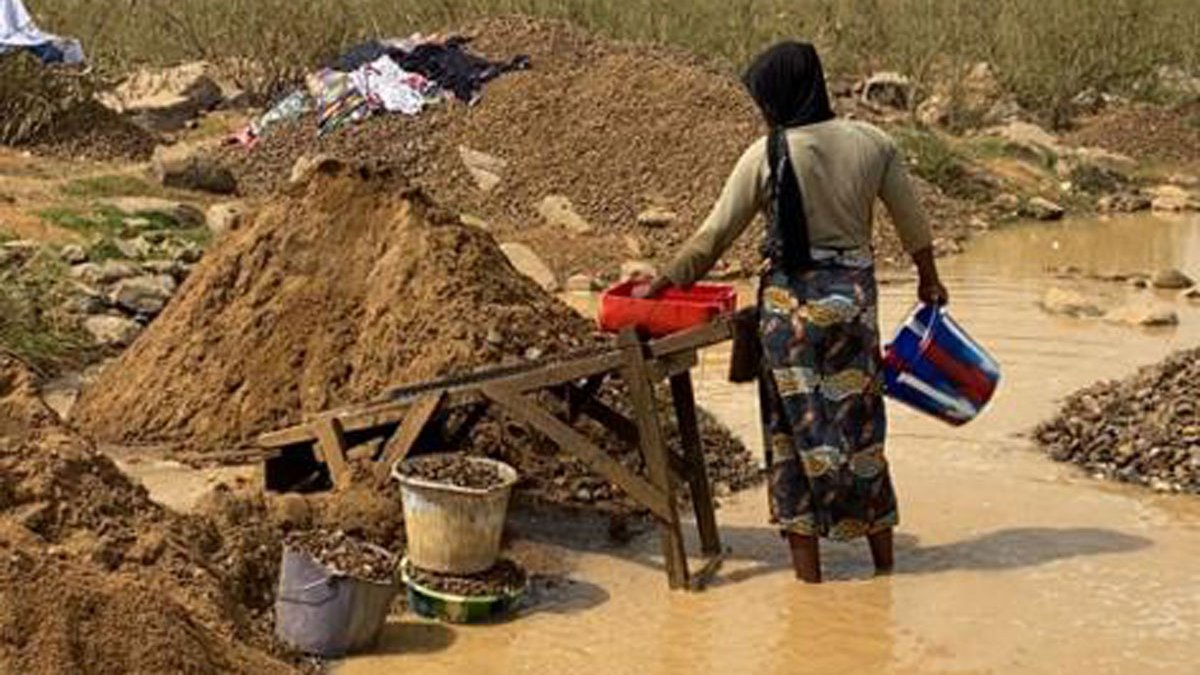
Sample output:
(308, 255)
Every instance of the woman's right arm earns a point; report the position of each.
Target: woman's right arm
(740, 201)
(912, 227)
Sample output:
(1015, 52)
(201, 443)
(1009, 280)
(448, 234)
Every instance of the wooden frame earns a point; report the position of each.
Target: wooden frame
(640, 364)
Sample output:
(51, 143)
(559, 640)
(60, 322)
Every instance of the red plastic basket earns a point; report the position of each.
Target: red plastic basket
(675, 309)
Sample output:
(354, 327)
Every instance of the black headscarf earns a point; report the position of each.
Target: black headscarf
(788, 84)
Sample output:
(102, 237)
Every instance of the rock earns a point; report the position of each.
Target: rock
(224, 217)
(558, 211)
(1040, 208)
(1192, 294)
(1143, 314)
(1173, 199)
(487, 170)
(528, 263)
(1029, 140)
(1065, 302)
(975, 98)
(184, 168)
(182, 213)
(1105, 159)
(73, 254)
(656, 217)
(582, 283)
(307, 165)
(189, 254)
(107, 272)
(1177, 81)
(1123, 202)
(134, 249)
(166, 100)
(112, 331)
(888, 89)
(146, 295)
(1171, 280)
(61, 393)
(474, 221)
(637, 268)
(1007, 202)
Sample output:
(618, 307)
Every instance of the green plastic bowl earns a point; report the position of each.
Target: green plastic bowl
(431, 604)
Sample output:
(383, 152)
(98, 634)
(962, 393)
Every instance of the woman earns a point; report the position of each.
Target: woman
(817, 178)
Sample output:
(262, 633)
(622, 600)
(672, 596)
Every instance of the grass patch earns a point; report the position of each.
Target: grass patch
(934, 159)
(114, 185)
(101, 221)
(33, 327)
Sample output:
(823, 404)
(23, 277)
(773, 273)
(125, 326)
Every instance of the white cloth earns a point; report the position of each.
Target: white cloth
(386, 85)
(17, 31)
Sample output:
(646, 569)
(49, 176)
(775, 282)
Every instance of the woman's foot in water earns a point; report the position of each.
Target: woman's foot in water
(882, 552)
(806, 557)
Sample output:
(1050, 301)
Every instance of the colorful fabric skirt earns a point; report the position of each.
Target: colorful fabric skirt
(822, 404)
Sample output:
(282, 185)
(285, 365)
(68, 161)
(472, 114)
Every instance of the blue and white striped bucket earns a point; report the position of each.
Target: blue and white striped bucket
(933, 366)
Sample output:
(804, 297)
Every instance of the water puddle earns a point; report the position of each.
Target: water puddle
(1007, 561)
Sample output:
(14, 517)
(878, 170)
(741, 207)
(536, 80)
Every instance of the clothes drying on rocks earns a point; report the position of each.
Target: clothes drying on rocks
(455, 68)
(396, 76)
(18, 32)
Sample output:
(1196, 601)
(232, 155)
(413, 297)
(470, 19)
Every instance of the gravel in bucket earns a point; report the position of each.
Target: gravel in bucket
(346, 555)
(503, 579)
(456, 470)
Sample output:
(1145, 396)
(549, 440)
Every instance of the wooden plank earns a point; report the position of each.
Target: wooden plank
(399, 445)
(695, 471)
(654, 452)
(575, 443)
(331, 447)
(670, 366)
(716, 331)
(708, 572)
(562, 373)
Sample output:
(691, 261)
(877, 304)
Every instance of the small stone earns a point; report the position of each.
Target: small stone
(474, 221)
(144, 295)
(637, 268)
(1172, 280)
(557, 210)
(582, 283)
(494, 337)
(1174, 199)
(1065, 302)
(488, 171)
(1124, 202)
(112, 331)
(1142, 314)
(108, 272)
(309, 165)
(656, 217)
(222, 218)
(135, 249)
(534, 354)
(1040, 208)
(531, 265)
(1192, 294)
(73, 254)
(189, 255)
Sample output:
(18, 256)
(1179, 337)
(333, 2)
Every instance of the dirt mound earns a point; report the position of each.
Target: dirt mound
(349, 285)
(1148, 132)
(134, 587)
(92, 131)
(1145, 429)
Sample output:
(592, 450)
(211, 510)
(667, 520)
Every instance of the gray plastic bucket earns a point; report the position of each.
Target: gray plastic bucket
(326, 613)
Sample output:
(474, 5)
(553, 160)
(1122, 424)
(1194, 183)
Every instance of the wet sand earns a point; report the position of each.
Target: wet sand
(1007, 562)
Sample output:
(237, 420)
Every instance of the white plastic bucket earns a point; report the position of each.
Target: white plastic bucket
(451, 529)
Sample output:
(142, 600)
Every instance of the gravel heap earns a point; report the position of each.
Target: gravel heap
(1144, 430)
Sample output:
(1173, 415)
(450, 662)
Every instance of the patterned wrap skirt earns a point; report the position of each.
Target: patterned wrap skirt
(822, 403)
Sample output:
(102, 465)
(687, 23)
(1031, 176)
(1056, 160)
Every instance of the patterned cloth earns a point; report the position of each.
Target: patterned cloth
(822, 403)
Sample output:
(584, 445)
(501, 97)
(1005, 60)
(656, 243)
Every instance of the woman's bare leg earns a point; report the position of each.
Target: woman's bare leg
(806, 557)
(882, 551)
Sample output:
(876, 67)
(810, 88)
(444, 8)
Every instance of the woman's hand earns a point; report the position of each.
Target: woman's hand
(649, 287)
(929, 285)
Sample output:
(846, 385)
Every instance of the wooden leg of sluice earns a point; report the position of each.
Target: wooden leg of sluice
(693, 458)
(331, 446)
(654, 452)
(406, 436)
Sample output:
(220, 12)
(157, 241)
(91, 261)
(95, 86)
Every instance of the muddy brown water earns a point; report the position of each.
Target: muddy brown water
(1007, 562)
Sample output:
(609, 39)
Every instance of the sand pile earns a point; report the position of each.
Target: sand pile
(346, 286)
(96, 578)
(1145, 429)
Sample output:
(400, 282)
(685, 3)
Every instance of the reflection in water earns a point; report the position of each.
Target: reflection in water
(1007, 562)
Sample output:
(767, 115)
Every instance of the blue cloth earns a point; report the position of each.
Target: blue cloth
(18, 32)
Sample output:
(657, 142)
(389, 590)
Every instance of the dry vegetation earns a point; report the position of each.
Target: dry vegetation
(1047, 51)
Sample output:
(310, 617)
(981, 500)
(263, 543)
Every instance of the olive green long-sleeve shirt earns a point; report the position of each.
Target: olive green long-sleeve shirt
(843, 166)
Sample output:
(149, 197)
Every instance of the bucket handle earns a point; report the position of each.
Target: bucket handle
(939, 313)
(328, 582)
